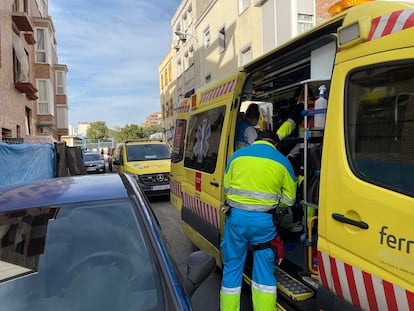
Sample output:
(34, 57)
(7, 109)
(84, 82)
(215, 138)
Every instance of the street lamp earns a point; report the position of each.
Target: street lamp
(183, 36)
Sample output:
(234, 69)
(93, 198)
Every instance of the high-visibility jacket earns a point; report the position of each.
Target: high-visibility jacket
(258, 177)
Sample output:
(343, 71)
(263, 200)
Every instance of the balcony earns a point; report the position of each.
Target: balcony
(31, 96)
(30, 39)
(25, 87)
(21, 20)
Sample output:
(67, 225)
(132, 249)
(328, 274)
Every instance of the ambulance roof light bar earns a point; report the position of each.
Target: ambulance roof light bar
(342, 5)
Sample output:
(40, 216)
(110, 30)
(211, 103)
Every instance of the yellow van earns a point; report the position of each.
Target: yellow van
(148, 161)
(349, 242)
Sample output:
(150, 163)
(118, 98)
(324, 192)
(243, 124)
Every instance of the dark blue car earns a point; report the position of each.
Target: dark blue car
(88, 243)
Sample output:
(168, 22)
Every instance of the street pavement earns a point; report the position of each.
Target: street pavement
(206, 298)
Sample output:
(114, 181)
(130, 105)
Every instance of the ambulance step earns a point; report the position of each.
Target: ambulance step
(291, 287)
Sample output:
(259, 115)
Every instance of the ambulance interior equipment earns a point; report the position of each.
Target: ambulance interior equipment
(276, 83)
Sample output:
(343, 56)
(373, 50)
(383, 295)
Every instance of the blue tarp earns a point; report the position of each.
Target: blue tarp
(26, 162)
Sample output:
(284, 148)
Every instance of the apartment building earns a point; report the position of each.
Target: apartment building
(33, 100)
(167, 87)
(213, 37)
(153, 119)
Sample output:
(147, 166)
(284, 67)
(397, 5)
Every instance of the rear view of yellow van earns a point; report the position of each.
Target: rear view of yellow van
(349, 242)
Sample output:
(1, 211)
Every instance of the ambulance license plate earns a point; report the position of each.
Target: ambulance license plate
(160, 187)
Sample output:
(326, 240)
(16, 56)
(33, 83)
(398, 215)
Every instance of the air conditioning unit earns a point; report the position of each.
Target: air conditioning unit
(258, 3)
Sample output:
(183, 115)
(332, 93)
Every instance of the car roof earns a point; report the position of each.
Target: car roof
(62, 190)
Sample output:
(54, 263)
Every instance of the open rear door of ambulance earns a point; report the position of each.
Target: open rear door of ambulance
(177, 154)
(366, 205)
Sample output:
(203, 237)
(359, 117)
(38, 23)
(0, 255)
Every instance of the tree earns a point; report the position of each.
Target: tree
(130, 132)
(97, 130)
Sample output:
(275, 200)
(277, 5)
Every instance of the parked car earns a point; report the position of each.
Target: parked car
(89, 243)
(149, 161)
(94, 162)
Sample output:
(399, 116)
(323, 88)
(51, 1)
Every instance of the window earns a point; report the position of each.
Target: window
(203, 139)
(206, 36)
(20, 60)
(178, 142)
(45, 100)
(245, 55)
(41, 4)
(41, 45)
(243, 5)
(28, 121)
(60, 83)
(380, 125)
(305, 22)
(6, 133)
(20, 6)
(62, 116)
(221, 40)
(147, 152)
(169, 72)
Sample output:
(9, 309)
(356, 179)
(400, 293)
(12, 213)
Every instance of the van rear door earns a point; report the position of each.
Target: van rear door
(177, 154)
(366, 203)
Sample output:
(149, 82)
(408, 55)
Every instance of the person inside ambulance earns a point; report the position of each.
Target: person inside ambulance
(246, 132)
(258, 181)
(294, 117)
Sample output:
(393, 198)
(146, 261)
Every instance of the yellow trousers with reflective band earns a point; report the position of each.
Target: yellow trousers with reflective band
(261, 301)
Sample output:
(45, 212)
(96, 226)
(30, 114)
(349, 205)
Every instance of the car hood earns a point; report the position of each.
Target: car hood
(149, 167)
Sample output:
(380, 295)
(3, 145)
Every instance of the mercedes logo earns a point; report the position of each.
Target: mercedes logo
(160, 178)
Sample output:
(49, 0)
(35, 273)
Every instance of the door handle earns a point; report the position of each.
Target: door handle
(349, 221)
(215, 184)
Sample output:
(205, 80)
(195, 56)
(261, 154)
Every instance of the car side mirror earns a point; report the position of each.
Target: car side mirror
(200, 265)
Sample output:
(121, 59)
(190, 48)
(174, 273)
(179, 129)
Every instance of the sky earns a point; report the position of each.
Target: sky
(112, 49)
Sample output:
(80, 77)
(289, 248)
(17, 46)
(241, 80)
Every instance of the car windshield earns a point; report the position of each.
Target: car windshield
(92, 256)
(92, 157)
(146, 152)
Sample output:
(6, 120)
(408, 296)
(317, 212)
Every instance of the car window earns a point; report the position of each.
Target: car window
(93, 256)
(203, 139)
(380, 111)
(146, 152)
(92, 156)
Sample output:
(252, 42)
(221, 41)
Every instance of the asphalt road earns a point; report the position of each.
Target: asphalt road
(206, 298)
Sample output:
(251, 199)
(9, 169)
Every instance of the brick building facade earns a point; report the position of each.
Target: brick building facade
(33, 99)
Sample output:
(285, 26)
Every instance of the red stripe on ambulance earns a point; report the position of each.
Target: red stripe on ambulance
(361, 288)
(391, 23)
(218, 91)
(205, 211)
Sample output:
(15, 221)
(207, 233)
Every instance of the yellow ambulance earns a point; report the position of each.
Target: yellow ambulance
(148, 162)
(349, 242)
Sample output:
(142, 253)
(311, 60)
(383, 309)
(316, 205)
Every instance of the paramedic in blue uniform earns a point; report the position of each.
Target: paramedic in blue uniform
(246, 132)
(257, 178)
